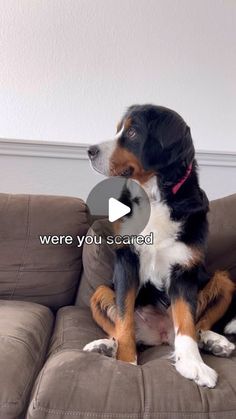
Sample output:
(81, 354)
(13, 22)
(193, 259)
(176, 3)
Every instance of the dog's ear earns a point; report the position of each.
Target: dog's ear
(152, 148)
(166, 144)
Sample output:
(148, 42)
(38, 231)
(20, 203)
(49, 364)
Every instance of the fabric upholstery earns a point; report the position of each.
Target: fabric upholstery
(98, 262)
(222, 238)
(25, 329)
(89, 385)
(30, 271)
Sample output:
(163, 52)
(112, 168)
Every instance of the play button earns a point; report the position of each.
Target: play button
(118, 198)
(117, 210)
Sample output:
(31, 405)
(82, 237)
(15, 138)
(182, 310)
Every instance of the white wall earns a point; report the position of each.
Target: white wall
(69, 68)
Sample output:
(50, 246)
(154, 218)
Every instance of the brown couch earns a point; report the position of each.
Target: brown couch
(45, 321)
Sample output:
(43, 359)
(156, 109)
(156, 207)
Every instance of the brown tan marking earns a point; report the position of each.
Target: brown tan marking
(218, 291)
(121, 327)
(197, 255)
(125, 334)
(183, 318)
(122, 159)
(127, 123)
(102, 302)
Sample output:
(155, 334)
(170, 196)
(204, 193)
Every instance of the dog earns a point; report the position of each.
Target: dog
(154, 147)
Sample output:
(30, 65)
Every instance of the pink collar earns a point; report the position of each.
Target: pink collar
(180, 183)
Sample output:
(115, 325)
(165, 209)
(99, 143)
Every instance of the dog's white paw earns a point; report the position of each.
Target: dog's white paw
(107, 347)
(214, 343)
(197, 371)
(188, 362)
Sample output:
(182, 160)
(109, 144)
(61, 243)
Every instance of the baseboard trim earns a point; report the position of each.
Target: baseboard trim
(59, 150)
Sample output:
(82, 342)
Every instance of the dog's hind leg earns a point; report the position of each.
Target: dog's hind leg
(103, 307)
(213, 301)
(126, 280)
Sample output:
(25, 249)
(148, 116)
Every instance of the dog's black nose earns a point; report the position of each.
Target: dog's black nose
(93, 151)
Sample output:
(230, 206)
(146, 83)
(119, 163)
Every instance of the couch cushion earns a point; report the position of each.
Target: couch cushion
(89, 385)
(25, 329)
(30, 271)
(74, 328)
(222, 238)
(98, 262)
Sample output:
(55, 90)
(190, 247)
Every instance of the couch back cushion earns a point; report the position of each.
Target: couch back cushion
(222, 235)
(47, 274)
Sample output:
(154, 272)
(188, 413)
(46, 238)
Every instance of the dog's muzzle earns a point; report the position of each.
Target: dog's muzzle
(100, 155)
(93, 152)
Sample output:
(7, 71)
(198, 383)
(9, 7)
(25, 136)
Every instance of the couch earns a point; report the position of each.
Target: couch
(45, 322)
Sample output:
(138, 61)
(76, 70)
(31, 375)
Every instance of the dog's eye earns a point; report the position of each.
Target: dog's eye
(131, 133)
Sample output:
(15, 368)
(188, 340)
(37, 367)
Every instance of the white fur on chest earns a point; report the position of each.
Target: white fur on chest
(157, 259)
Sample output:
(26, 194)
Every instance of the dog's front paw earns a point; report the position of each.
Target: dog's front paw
(216, 344)
(190, 364)
(197, 371)
(107, 347)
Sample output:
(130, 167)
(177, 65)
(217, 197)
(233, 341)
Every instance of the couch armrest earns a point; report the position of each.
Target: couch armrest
(46, 274)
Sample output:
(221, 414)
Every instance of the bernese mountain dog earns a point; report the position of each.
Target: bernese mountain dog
(162, 293)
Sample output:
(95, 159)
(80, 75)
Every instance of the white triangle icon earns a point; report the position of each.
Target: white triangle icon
(116, 209)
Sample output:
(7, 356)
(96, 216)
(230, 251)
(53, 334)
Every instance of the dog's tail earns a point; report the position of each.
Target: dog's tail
(103, 308)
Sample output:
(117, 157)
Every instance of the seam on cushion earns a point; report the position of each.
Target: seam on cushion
(61, 337)
(118, 414)
(39, 270)
(5, 206)
(24, 250)
(38, 362)
(63, 329)
(204, 400)
(32, 236)
(144, 392)
(47, 295)
(43, 319)
(90, 414)
(7, 337)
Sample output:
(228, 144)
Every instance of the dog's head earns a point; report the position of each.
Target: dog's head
(150, 140)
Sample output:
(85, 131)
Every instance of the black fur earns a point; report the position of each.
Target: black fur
(125, 276)
(185, 284)
(163, 143)
(149, 294)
